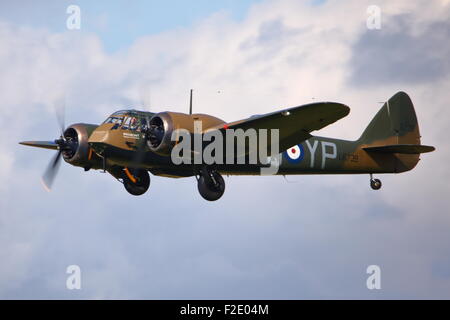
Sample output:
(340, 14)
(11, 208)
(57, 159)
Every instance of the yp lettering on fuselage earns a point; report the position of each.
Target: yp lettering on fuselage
(328, 149)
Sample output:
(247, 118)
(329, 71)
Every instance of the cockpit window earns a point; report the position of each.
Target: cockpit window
(126, 124)
(131, 123)
(128, 120)
(120, 113)
(134, 123)
(115, 120)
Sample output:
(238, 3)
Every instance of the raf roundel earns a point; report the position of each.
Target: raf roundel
(295, 154)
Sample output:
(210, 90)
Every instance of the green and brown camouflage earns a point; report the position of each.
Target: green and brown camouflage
(390, 143)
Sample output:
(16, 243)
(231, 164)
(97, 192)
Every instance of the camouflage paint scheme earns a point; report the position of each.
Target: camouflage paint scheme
(390, 143)
(394, 124)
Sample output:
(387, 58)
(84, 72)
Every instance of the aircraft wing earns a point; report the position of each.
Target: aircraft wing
(294, 124)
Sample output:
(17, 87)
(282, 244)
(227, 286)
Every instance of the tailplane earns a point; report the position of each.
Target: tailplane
(401, 148)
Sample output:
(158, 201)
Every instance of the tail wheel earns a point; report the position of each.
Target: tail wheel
(375, 184)
(211, 186)
(136, 181)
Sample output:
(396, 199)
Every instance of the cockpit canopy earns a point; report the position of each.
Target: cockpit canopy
(129, 120)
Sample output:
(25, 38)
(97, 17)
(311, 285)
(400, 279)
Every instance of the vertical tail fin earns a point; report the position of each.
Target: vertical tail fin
(395, 123)
(394, 130)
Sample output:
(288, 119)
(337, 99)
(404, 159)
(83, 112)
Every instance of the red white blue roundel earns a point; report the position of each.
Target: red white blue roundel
(295, 154)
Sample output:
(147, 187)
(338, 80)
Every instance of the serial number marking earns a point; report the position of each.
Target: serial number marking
(353, 157)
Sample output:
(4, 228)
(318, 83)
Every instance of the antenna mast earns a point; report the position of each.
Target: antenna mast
(190, 104)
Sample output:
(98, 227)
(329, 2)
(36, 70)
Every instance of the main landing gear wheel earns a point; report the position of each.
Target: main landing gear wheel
(211, 185)
(375, 184)
(136, 181)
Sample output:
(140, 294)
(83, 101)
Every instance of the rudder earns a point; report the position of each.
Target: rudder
(395, 123)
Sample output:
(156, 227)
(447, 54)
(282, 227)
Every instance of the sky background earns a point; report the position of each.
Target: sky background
(267, 237)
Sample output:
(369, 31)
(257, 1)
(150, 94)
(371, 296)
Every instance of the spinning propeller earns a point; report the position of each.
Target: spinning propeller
(66, 146)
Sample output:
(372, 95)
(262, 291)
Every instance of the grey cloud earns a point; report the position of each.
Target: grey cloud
(272, 36)
(394, 55)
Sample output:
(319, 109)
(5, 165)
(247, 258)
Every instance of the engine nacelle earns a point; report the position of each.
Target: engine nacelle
(78, 151)
(163, 124)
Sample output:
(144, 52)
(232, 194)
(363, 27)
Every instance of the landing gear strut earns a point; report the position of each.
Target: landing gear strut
(375, 184)
(210, 184)
(136, 181)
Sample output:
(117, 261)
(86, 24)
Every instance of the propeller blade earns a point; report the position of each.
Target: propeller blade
(41, 144)
(141, 146)
(145, 97)
(60, 112)
(51, 171)
(139, 156)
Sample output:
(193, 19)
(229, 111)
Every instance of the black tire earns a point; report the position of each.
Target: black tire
(375, 184)
(142, 184)
(209, 191)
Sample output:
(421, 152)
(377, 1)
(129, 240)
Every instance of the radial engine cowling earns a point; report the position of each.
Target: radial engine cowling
(77, 150)
(163, 124)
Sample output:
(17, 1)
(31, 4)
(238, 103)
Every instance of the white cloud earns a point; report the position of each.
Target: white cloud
(314, 237)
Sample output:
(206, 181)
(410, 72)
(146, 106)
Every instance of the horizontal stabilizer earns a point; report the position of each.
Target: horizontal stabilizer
(41, 144)
(401, 148)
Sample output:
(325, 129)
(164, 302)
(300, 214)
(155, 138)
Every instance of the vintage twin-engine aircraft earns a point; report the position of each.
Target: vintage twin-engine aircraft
(131, 143)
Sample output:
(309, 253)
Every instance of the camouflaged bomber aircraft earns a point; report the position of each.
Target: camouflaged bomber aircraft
(131, 143)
